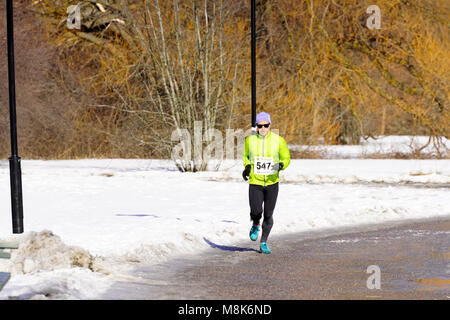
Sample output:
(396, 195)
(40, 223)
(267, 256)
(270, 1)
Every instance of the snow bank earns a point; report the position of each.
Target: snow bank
(57, 284)
(44, 267)
(349, 171)
(381, 145)
(88, 222)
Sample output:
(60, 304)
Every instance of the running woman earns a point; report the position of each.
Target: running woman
(265, 155)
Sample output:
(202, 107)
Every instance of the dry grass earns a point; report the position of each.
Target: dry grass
(101, 92)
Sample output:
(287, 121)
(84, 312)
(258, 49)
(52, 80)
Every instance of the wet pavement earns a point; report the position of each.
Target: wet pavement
(413, 260)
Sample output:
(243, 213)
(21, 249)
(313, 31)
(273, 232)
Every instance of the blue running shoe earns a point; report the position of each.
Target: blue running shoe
(254, 233)
(264, 248)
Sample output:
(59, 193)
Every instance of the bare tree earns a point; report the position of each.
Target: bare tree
(184, 72)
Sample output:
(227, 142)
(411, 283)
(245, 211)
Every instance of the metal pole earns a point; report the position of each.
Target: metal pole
(253, 54)
(14, 160)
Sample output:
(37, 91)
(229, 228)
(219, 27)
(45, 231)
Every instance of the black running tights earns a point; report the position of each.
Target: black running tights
(259, 195)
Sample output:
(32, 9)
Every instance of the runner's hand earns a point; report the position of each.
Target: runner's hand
(246, 172)
(278, 166)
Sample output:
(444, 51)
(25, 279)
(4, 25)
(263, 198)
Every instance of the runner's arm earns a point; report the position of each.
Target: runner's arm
(246, 153)
(285, 156)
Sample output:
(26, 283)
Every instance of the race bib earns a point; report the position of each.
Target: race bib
(263, 165)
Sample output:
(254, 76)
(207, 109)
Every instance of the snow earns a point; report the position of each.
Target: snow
(381, 145)
(88, 222)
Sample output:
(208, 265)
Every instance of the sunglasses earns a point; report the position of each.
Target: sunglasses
(263, 125)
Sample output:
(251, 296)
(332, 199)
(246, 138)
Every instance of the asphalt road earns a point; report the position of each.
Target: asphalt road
(412, 259)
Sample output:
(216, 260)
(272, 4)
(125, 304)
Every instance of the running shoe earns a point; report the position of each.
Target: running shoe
(254, 233)
(264, 248)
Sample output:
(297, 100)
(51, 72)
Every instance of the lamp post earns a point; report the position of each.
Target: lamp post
(253, 55)
(14, 160)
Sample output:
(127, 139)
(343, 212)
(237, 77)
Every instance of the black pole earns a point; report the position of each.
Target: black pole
(14, 160)
(253, 54)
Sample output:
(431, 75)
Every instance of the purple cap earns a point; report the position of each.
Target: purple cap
(263, 116)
